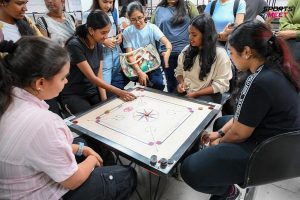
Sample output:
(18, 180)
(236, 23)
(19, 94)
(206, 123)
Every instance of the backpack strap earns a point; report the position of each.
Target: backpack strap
(45, 25)
(73, 18)
(115, 17)
(235, 7)
(212, 7)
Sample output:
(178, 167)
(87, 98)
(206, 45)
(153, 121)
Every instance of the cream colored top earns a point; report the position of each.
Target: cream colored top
(218, 77)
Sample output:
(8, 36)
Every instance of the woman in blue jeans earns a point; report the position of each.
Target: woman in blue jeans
(261, 112)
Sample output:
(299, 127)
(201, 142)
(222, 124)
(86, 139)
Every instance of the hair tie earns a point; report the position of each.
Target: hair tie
(7, 46)
(272, 41)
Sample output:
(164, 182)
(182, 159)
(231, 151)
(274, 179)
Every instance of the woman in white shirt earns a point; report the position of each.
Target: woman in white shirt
(203, 69)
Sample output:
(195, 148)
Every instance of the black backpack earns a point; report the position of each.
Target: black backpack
(235, 7)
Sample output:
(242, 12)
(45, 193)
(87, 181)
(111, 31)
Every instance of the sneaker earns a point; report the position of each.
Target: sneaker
(234, 194)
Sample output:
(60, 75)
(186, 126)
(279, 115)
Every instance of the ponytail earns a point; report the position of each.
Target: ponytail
(96, 20)
(278, 56)
(6, 79)
(81, 31)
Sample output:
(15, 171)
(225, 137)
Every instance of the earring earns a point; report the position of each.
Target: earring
(39, 89)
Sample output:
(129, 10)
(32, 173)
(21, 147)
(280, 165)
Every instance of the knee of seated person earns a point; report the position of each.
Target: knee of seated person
(191, 174)
(126, 181)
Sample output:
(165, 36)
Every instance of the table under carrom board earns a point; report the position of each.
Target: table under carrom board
(154, 130)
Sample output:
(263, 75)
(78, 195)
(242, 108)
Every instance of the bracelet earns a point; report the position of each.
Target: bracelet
(221, 132)
(80, 149)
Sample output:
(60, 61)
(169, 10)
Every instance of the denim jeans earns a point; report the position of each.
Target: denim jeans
(213, 169)
(111, 63)
(170, 72)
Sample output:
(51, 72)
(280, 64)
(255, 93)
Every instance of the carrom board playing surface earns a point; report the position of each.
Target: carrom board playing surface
(154, 124)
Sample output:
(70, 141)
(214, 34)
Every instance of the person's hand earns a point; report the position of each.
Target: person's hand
(191, 95)
(143, 77)
(215, 142)
(87, 151)
(285, 35)
(166, 60)
(109, 42)
(209, 137)
(228, 28)
(180, 88)
(119, 38)
(126, 96)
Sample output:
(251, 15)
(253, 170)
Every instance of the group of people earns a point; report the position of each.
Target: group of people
(39, 157)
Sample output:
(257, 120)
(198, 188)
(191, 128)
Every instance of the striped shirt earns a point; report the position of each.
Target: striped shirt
(36, 152)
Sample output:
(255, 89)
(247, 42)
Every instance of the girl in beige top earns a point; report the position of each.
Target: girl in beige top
(203, 69)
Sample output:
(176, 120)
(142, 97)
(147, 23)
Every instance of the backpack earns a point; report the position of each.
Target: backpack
(46, 26)
(235, 7)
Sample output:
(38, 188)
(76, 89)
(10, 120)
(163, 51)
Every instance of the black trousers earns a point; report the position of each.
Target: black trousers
(109, 182)
(76, 104)
(213, 169)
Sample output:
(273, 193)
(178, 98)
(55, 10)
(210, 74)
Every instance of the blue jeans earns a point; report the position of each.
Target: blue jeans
(111, 64)
(213, 169)
(170, 72)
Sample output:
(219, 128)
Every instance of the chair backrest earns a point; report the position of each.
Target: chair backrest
(275, 159)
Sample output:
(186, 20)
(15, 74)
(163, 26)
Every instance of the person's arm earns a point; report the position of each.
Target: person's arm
(288, 28)
(179, 72)
(101, 90)
(239, 18)
(222, 73)
(203, 91)
(88, 72)
(81, 175)
(142, 76)
(180, 85)
(166, 54)
(237, 133)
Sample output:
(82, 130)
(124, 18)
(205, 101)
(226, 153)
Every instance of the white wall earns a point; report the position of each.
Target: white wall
(39, 5)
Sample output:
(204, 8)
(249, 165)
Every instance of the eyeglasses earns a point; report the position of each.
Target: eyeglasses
(136, 20)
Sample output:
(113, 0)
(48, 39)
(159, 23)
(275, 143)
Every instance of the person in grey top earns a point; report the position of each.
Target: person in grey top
(56, 24)
(254, 8)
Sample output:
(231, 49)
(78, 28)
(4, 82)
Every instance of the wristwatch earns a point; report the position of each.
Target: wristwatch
(221, 133)
(80, 149)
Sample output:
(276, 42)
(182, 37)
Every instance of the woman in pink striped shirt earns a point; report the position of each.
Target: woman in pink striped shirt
(37, 157)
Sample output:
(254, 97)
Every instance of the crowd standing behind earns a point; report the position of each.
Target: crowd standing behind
(173, 18)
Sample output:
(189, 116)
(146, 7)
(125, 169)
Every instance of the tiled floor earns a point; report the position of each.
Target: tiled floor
(174, 189)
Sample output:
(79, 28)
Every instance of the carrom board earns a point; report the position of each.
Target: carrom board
(156, 125)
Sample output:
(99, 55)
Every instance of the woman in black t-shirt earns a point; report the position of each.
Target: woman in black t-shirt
(86, 86)
(268, 105)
